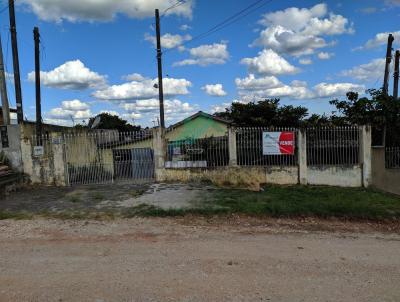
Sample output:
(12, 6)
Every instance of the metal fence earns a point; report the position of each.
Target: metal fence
(198, 152)
(249, 142)
(392, 157)
(333, 146)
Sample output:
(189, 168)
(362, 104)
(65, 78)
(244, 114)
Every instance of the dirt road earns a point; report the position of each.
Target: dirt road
(167, 260)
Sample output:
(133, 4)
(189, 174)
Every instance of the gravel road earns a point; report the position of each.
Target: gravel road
(171, 260)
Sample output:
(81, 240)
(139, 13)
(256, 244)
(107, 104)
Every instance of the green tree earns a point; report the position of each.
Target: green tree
(109, 121)
(264, 114)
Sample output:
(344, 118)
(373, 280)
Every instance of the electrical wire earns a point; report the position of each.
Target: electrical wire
(177, 4)
(227, 22)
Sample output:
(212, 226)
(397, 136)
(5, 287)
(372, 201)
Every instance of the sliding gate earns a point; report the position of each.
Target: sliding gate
(109, 156)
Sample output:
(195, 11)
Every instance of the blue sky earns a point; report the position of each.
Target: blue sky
(101, 57)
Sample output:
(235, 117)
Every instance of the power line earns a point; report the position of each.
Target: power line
(228, 21)
(177, 4)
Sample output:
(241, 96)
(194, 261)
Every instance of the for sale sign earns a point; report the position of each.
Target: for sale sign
(278, 143)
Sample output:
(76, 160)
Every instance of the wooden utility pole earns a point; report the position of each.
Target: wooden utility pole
(396, 75)
(17, 78)
(3, 90)
(387, 65)
(36, 37)
(159, 62)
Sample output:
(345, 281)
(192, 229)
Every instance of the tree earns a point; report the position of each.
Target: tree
(109, 121)
(264, 114)
(379, 110)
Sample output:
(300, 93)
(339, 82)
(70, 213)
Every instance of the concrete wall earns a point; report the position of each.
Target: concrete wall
(384, 179)
(247, 177)
(341, 176)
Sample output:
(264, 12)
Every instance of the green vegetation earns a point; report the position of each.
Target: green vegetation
(292, 201)
(274, 201)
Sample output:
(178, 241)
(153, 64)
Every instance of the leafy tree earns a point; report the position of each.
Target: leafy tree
(264, 114)
(109, 121)
(379, 110)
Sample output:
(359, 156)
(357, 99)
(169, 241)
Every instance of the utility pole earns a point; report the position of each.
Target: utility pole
(388, 61)
(159, 62)
(14, 45)
(36, 37)
(3, 90)
(396, 75)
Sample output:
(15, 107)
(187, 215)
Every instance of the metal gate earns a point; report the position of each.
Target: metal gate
(109, 156)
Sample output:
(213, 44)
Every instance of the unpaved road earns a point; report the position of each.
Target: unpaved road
(168, 260)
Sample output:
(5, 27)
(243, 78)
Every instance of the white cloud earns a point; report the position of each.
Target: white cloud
(185, 27)
(214, 90)
(270, 63)
(204, 55)
(336, 89)
(305, 61)
(134, 77)
(70, 75)
(380, 39)
(325, 55)
(74, 105)
(366, 72)
(392, 2)
(148, 109)
(254, 89)
(168, 40)
(253, 83)
(299, 31)
(73, 109)
(220, 107)
(143, 89)
(103, 10)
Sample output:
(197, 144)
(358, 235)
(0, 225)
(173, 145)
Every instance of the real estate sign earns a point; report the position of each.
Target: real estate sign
(278, 143)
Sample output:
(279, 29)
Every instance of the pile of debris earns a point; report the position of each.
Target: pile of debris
(9, 180)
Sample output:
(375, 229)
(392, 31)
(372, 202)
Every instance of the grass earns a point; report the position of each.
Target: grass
(274, 201)
(292, 201)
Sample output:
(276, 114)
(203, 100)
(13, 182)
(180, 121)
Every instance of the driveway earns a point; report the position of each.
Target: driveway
(162, 259)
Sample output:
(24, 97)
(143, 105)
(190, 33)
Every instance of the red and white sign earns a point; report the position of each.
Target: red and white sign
(278, 143)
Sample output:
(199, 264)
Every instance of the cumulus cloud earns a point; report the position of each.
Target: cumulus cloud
(254, 89)
(300, 31)
(366, 72)
(143, 89)
(70, 75)
(204, 55)
(268, 62)
(168, 40)
(380, 39)
(184, 27)
(104, 10)
(323, 90)
(214, 90)
(71, 109)
(305, 61)
(325, 55)
(148, 109)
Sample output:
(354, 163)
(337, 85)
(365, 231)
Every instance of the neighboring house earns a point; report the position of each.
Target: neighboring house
(188, 142)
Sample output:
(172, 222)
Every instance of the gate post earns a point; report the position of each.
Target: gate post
(302, 156)
(57, 144)
(232, 147)
(159, 147)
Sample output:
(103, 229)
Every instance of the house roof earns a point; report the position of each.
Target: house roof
(198, 114)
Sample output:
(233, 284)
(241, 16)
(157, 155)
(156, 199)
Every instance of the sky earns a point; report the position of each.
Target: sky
(99, 56)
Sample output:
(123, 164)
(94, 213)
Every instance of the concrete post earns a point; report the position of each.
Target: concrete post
(159, 147)
(232, 147)
(365, 155)
(59, 161)
(302, 156)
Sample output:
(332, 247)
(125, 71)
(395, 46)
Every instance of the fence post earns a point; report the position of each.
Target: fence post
(302, 156)
(365, 155)
(57, 145)
(159, 147)
(232, 147)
